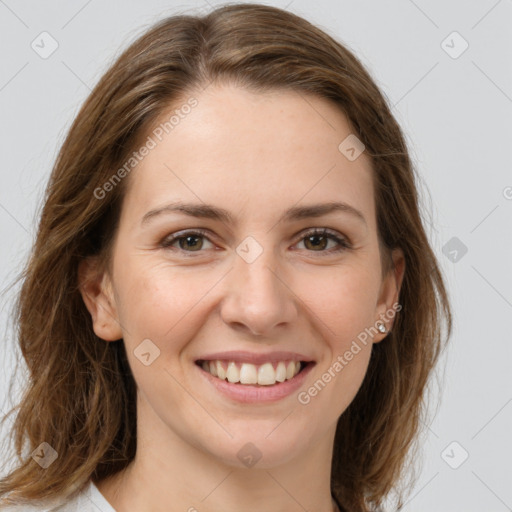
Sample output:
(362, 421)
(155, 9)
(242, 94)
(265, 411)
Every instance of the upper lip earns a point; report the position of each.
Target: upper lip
(242, 356)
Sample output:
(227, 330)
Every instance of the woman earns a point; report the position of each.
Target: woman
(232, 302)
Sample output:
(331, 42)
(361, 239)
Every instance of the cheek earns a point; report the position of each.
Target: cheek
(166, 306)
(342, 301)
(162, 303)
(351, 311)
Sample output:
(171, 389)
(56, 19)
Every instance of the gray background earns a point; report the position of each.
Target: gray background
(454, 112)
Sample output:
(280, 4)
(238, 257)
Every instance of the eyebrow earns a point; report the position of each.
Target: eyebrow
(208, 211)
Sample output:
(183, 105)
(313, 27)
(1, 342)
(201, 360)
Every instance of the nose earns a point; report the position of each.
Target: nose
(257, 299)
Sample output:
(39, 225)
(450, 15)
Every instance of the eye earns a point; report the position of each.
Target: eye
(186, 240)
(317, 239)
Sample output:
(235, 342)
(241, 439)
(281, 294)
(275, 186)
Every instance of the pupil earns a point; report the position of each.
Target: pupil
(188, 238)
(318, 244)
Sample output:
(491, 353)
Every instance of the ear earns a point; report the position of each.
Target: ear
(97, 293)
(389, 292)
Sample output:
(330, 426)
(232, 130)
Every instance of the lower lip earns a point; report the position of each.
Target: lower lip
(248, 393)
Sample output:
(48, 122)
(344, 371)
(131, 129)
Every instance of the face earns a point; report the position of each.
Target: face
(256, 289)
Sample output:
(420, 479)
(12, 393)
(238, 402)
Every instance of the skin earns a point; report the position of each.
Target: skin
(256, 155)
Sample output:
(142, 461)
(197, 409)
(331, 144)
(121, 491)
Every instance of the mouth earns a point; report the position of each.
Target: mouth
(269, 373)
(254, 378)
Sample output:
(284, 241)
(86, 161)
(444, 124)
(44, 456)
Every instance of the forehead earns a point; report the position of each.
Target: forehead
(252, 152)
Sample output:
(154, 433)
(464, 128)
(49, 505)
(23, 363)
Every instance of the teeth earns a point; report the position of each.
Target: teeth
(213, 368)
(233, 373)
(290, 370)
(221, 373)
(247, 373)
(266, 374)
(281, 372)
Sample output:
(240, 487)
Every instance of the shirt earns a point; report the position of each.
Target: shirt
(89, 499)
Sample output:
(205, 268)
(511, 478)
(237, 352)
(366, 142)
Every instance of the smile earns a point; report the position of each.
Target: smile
(257, 382)
(266, 374)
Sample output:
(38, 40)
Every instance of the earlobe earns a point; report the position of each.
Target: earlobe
(389, 295)
(96, 290)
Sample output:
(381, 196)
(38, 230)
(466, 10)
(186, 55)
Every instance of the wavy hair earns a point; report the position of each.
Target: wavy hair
(80, 396)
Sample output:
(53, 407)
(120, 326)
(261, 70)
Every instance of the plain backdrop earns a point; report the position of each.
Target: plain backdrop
(446, 69)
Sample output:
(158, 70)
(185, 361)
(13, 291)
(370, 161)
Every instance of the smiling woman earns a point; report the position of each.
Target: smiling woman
(248, 315)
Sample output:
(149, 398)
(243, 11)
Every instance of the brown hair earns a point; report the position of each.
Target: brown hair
(81, 393)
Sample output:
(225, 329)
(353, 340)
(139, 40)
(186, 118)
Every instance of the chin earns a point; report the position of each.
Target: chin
(249, 450)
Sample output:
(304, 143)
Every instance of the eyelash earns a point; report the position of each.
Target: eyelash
(200, 233)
